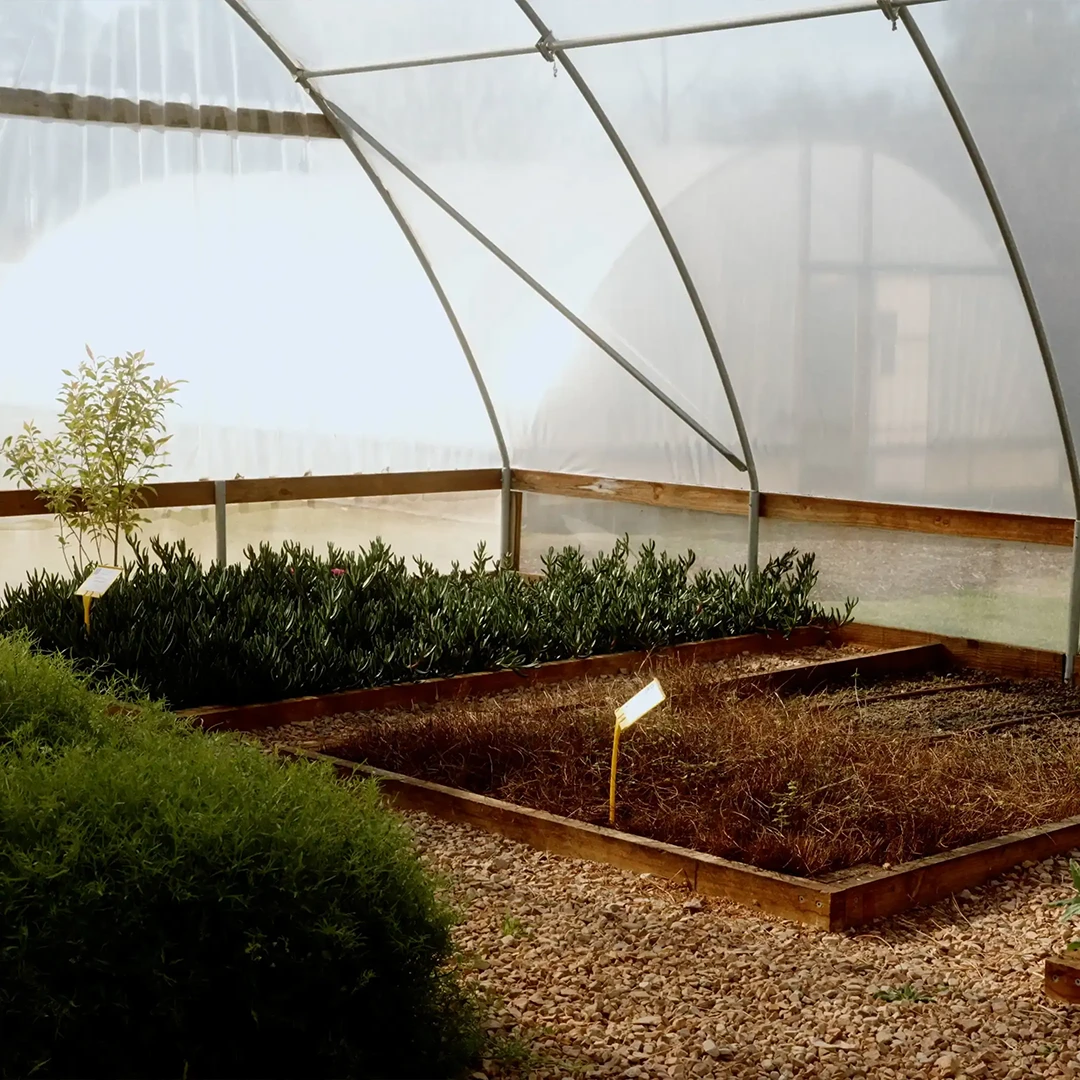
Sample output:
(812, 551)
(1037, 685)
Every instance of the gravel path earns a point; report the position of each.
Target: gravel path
(597, 972)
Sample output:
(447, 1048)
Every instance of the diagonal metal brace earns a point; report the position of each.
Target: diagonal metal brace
(552, 44)
(447, 208)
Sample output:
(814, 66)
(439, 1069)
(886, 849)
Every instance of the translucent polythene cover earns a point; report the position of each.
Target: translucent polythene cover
(262, 273)
(193, 51)
(347, 33)
(1013, 68)
(858, 284)
(527, 169)
(828, 215)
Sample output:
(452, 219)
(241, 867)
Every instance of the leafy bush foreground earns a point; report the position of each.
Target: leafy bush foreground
(288, 622)
(180, 904)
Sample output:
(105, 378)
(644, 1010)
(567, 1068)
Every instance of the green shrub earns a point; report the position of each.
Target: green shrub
(46, 704)
(290, 623)
(180, 904)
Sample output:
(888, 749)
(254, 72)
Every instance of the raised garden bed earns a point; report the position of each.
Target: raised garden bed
(812, 784)
(828, 905)
(921, 704)
(288, 622)
(923, 712)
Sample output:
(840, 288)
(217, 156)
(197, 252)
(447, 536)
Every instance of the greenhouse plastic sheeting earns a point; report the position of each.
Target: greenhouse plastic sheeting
(958, 586)
(829, 216)
(193, 51)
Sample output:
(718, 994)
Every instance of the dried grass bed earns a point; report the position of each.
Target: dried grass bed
(809, 785)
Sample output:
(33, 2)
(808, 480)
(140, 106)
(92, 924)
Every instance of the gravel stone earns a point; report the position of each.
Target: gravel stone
(615, 977)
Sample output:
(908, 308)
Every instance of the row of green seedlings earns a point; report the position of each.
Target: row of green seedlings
(287, 622)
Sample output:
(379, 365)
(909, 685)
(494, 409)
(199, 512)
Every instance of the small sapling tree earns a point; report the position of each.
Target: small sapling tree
(94, 474)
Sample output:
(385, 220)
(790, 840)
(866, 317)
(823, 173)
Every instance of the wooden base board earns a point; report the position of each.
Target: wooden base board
(869, 666)
(834, 906)
(1061, 978)
(774, 894)
(278, 713)
(1012, 661)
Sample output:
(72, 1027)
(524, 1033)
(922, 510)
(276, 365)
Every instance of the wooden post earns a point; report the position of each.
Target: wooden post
(516, 515)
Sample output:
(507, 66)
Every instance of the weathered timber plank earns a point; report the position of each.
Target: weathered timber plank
(641, 492)
(807, 678)
(765, 891)
(1061, 978)
(1014, 661)
(799, 899)
(184, 493)
(402, 695)
(980, 524)
(24, 503)
(94, 109)
(1015, 527)
(288, 489)
(925, 881)
(20, 503)
(361, 485)
(931, 520)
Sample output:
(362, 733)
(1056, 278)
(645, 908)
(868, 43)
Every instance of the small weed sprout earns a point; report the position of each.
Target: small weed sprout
(784, 804)
(906, 992)
(514, 1053)
(1071, 904)
(513, 927)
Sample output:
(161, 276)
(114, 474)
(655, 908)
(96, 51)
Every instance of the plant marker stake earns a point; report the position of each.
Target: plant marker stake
(626, 716)
(97, 584)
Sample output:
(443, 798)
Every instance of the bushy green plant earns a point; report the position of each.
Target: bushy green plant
(289, 622)
(177, 904)
(94, 473)
(45, 704)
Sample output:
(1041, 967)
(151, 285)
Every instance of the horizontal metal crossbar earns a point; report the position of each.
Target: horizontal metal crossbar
(566, 44)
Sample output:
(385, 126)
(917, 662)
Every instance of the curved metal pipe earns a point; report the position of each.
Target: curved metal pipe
(550, 47)
(1030, 301)
(505, 524)
(535, 285)
(505, 516)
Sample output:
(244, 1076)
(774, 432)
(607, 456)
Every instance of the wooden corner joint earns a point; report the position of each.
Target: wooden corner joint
(1061, 978)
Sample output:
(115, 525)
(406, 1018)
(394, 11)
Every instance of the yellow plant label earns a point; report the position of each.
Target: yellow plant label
(99, 581)
(641, 703)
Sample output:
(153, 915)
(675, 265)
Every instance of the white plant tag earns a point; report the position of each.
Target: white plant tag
(641, 703)
(97, 584)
